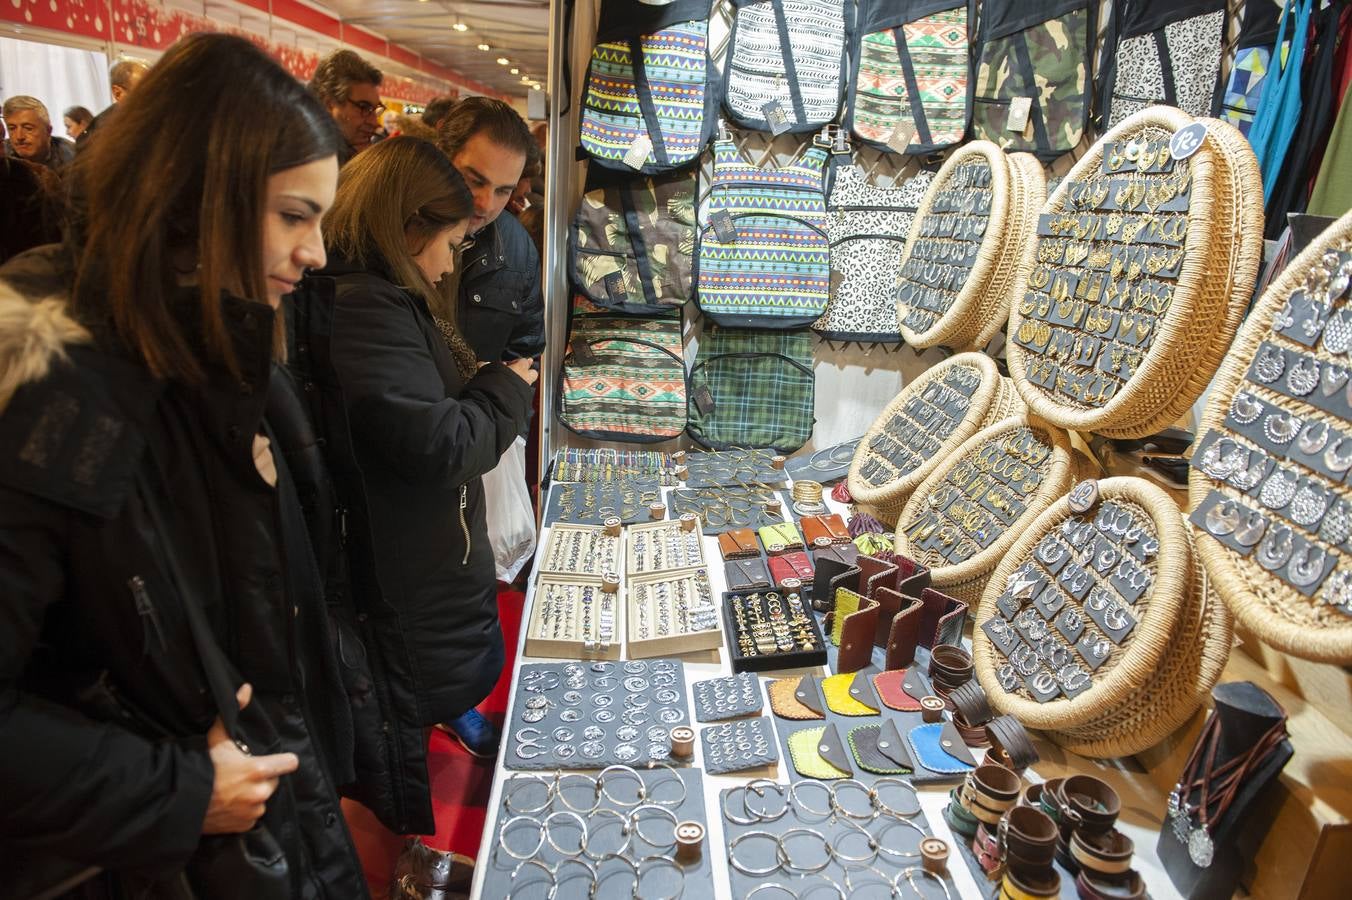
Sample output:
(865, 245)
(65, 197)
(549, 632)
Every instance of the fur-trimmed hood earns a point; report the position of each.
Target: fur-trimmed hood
(35, 333)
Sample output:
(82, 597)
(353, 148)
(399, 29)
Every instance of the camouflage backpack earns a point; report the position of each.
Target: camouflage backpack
(633, 239)
(1033, 83)
(1163, 52)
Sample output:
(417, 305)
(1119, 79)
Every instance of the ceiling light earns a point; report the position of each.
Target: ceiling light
(515, 71)
(525, 79)
(535, 86)
(460, 26)
(502, 61)
(485, 47)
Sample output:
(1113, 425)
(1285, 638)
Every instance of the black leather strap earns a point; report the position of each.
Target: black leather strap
(922, 130)
(645, 101)
(790, 67)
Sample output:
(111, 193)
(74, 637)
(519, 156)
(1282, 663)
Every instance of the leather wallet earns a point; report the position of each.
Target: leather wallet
(791, 565)
(830, 528)
(781, 537)
(792, 698)
(818, 753)
(747, 574)
(879, 749)
(833, 567)
(901, 689)
(851, 625)
(935, 618)
(738, 543)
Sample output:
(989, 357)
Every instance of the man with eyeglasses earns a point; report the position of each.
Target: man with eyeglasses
(350, 87)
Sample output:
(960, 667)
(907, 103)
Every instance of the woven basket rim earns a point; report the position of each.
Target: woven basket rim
(1239, 585)
(1133, 407)
(1055, 484)
(948, 326)
(1028, 193)
(985, 394)
(1149, 640)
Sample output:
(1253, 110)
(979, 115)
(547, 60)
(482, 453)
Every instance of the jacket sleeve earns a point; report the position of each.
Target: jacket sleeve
(91, 792)
(527, 339)
(396, 399)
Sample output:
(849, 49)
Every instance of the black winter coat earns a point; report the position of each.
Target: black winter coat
(501, 311)
(407, 441)
(103, 704)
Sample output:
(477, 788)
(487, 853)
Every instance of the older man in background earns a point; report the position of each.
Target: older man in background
(349, 87)
(30, 134)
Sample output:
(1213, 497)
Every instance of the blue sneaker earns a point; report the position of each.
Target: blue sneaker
(475, 733)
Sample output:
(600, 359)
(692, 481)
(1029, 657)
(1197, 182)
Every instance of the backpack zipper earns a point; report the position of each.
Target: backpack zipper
(464, 525)
(145, 608)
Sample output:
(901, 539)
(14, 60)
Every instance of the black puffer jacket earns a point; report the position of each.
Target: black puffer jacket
(407, 440)
(103, 704)
(502, 310)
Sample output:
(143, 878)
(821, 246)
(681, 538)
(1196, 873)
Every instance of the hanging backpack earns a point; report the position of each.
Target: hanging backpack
(651, 90)
(622, 377)
(1243, 89)
(785, 64)
(752, 389)
(1167, 52)
(764, 259)
(867, 226)
(632, 243)
(1033, 81)
(912, 88)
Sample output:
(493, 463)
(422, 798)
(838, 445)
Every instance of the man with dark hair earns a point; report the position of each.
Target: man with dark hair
(30, 134)
(437, 110)
(349, 86)
(499, 305)
(497, 301)
(123, 76)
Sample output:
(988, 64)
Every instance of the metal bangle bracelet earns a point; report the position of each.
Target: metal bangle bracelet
(601, 786)
(539, 838)
(563, 797)
(899, 854)
(607, 857)
(732, 853)
(754, 784)
(803, 807)
(844, 858)
(821, 883)
(771, 887)
(651, 795)
(591, 870)
(661, 861)
(518, 778)
(838, 808)
(887, 810)
(638, 826)
(789, 865)
(624, 830)
(553, 883)
(890, 882)
(908, 872)
(549, 835)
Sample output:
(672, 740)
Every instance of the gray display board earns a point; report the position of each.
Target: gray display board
(589, 503)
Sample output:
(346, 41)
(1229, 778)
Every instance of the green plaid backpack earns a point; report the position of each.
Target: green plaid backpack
(1033, 85)
(623, 377)
(752, 389)
(632, 242)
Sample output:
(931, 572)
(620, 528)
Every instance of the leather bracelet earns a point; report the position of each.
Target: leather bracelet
(971, 701)
(950, 667)
(1047, 799)
(1019, 887)
(1130, 887)
(986, 849)
(997, 785)
(972, 735)
(1106, 854)
(963, 823)
(1032, 796)
(1088, 804)
(1030, 835)
(1010, 744)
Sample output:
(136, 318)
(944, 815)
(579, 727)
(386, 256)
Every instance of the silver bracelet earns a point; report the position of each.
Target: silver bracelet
(899, 854)
(909, 873)
(658, 861)
(625, 830)
(789, 865)
(876, 796)
(869, 840)
(519, 778)
(625, 770)
(637, 826)
(841, 810)
(539, 838)
(732, 853)
(651, 795)
(549, 832)
(563, 797)
(803, 807)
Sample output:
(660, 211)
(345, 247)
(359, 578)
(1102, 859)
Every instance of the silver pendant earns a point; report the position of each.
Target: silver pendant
(1200, 848)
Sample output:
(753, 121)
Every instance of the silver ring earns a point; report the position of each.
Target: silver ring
(624, 830)
(732, 853)
(549, 837)
(539, 839)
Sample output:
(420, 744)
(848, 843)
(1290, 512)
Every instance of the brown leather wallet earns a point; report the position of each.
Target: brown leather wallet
(738, 543)
(855, 632)
(831, 573)
(747, 574)
(831, 527)
(790, 565)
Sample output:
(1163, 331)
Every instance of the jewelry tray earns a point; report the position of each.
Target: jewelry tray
(660, 689)
(573, 642)
(609, 497)
(643, 638)
(643, 539)
(822, 465)
(605, 465)
(597, 553)
(791, 659)
(717, 468)
(714, 505)
(570, 793)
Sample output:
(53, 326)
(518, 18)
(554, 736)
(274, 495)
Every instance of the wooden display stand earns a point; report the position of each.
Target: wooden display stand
(584, 645)
(672, 642)
(601, 550)
(688, 541)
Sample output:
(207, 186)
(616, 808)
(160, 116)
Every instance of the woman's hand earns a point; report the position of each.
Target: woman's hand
(243, 783)
(523, 370)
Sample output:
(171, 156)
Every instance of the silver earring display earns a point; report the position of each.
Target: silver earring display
(1313, 438)
(1332, 380)
(1338, 458)
(1278, 489)
(1223, 518)
(1337, 592)
(1270, 365)
(1338, 333)
(1251, 531)
(1337, 525)
(1306, 566)
(1275, 550)
(1248, 479)
(1281, 427)
(1309, 504)
(1303, 377)
(1246, 408)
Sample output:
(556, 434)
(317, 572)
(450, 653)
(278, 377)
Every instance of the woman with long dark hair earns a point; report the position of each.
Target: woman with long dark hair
(170, 709)
(411, 422)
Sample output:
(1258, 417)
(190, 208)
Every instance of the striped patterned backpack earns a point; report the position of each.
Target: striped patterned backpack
(651, 92)
(786, 63)
(764, 258)
(912, 90)
(622, 377)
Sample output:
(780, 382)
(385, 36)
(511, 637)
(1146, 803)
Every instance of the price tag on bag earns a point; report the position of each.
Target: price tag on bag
(724, 227)
(639, 150)
(1019, 110)
(704, 401)
(614, 284)
(901, 136)
(583, 354)
(776, 117)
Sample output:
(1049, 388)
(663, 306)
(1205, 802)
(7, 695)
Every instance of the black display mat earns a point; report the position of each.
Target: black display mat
(574, 793)
(629, 728)
(693, 500)
(729, 467)
(769, 662)
(738, 745)
(841, 832)
(742, 696)
(823, 465)
(605, 495)
(605, 464)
